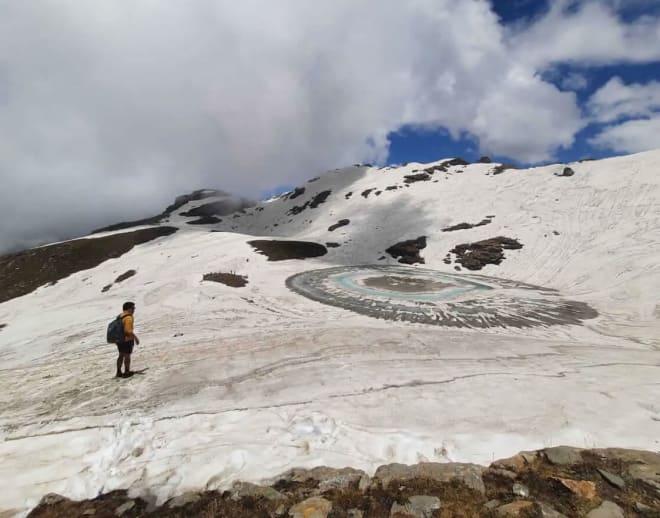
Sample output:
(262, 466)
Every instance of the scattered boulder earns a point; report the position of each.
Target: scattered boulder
(245, 489)
(279, 250)
(465, 226)
(314, 507)
(183, 500)
(563, 455)
(23, 272)
(229, 279)
(484, 160)
(124, 508)
(582, 488)
(407, 252)
(348, 195)
(520, 508)
(474, 256)
(332, 245)
(567, 171)
(339, 224)
(391, 187)
(366, 192)
(417, 506)
(613, 479)
(607, 510)
(468, 474)
(2, 326)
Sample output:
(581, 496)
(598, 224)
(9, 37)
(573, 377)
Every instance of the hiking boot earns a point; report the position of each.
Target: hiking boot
(118, 375)
(128, 374)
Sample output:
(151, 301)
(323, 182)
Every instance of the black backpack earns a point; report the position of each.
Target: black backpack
(115, 334)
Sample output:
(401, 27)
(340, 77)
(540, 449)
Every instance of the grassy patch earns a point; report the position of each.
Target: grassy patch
(230, 279)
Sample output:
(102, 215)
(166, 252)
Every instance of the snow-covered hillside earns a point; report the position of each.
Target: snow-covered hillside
(243, 383)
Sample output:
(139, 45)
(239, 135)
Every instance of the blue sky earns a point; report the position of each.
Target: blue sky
(410, 143)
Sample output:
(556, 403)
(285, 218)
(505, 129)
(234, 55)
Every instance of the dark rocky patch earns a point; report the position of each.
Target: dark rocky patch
(366, 192)
(465, 226)
(298, 191)
(106, 288)
(348, 195)
(319, 199)
(277, 250)
(23, 272)
(525, 485)
(419, 177)
(378, 193)
(205, 220)
(484, 160)
(567, 171)
(474, 256)
(126, 275)
(179, 202)
(218, 208)
(499, 169)
(555, 232)
(312, 204)
(2, 326)
(297, 209)
(229, 279)
(339, 224)
(391, 187)
(444, 166)
(314, 179)
(332, 245)
(407, 252)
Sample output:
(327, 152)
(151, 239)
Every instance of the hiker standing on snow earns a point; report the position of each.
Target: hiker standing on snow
(125, 347)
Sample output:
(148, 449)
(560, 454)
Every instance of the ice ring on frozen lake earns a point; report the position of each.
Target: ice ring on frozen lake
(432, 297)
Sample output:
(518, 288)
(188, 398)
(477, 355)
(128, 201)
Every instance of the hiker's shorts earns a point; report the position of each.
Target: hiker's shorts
(126, 347)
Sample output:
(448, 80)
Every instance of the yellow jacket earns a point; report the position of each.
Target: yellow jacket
(128, 325)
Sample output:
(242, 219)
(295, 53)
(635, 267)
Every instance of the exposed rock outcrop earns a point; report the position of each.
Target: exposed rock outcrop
(407, 252)
(525, 485)
(474, 256)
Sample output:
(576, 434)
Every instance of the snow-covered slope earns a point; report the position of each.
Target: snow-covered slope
(246, 382)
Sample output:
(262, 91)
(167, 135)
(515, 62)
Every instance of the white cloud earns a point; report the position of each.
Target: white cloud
(616, 99)
(110, 109)
(631, 136)
(588, 32)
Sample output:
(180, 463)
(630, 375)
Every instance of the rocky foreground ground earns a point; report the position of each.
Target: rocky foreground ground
(552, 483)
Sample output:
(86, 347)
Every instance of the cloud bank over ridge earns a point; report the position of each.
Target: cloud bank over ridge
(107, 109)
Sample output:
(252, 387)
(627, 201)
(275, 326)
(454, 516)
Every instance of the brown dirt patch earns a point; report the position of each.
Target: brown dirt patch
(229, 279)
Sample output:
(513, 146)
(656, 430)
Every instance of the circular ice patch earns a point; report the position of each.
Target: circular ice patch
(431, 297)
